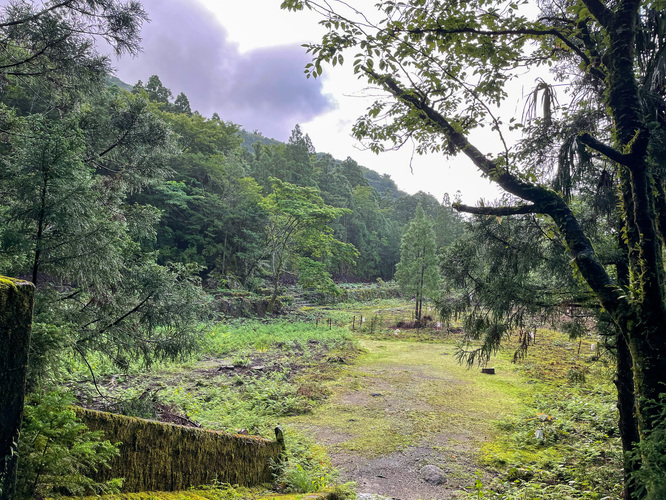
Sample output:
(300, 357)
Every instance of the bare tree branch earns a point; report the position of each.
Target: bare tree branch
(600, 12)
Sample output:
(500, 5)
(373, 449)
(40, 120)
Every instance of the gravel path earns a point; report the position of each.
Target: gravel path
(406, 421)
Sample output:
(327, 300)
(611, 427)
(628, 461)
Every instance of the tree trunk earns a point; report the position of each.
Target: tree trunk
(277, 272)
(40, 226)
(624, 382)
(416, 308)
(627, 425)
(16, 301)
(648, 352)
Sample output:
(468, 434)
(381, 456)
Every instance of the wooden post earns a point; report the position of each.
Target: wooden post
(279, 437)
(16, 301)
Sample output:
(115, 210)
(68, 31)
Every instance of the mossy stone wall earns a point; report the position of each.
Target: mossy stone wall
(166, 457)
(360, 294)
(16, 300)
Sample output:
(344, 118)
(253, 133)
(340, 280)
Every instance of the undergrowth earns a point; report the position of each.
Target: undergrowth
(249, 375)
(565, 443)
(560, 444)
(243, 335)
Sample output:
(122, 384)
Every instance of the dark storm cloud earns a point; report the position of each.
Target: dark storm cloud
(190, 51)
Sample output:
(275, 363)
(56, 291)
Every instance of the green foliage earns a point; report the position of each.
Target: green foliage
(298, 226)
(69, 224)
(652, 473)
(313, 276)
(307, 469)
(564, 445)
(236, 336)
(445, 65)
(502, 276)
(58, 453)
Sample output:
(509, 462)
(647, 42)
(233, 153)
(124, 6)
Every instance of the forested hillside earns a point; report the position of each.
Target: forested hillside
(125, 207)
(213, 210)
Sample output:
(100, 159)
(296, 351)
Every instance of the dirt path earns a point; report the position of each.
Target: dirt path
(403, 408)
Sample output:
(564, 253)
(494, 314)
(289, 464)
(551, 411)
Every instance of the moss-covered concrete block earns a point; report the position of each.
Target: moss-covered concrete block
(166, 457)
(16, 301)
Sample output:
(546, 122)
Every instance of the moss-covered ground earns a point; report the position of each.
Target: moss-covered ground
(221, 493)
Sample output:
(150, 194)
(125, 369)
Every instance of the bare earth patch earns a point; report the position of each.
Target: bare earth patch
(404, 406)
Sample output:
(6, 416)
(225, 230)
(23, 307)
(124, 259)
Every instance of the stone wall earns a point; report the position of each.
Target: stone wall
(166, 457)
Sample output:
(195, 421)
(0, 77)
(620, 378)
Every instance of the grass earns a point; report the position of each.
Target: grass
(249, 376)
(555, 433)
(250, 373)
(422, 391)
(252, 335)
(406, 388)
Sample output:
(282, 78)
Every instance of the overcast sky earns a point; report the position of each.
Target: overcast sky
(244, 60)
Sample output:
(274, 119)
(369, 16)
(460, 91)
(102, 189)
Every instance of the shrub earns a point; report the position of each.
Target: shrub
(653, 451)
(56, 450)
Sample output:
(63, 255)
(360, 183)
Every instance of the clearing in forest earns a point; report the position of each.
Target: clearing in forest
(406, 409)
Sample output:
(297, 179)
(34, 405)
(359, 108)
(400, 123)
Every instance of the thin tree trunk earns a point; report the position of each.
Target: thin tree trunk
(40, 228)
(277, 271)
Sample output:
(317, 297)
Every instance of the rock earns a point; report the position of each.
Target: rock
(259, 368)
(370, 496)
(433, 475)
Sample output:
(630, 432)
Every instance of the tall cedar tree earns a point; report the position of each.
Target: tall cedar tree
(417, 273)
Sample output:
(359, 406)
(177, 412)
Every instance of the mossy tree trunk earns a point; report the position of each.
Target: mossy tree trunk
(16, 301)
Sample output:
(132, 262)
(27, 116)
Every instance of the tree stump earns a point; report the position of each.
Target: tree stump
(16, 300)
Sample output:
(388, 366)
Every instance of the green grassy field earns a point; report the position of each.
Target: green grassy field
(544, 423)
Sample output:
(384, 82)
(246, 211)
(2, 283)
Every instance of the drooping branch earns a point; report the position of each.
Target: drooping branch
(128, 313)
(37, 15)
(545, 201)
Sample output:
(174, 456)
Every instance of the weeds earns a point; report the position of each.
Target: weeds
(242, 335)
(563, 445)
(307, 468)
